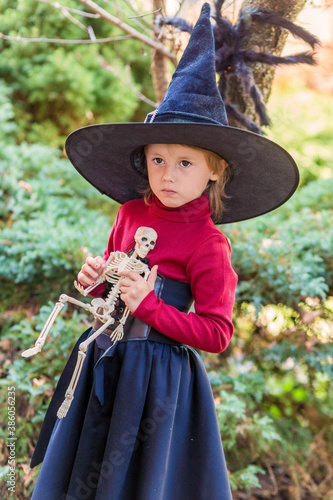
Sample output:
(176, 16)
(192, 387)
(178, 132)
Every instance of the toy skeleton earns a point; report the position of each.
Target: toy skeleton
(102, 309)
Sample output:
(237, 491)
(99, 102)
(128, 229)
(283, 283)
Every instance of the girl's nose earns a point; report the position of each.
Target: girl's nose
(168, 174)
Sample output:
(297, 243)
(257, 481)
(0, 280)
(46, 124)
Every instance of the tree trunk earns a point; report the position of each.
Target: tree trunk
(264, 38)
(160, 66)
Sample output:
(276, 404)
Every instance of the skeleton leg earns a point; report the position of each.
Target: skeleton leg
(81, 355)
(47, 327)
(50, 320)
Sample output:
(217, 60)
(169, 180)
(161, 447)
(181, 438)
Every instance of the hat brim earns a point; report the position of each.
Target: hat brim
(263, 174)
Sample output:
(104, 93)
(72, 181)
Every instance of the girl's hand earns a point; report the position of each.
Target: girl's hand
(91, 270)
(134, 288)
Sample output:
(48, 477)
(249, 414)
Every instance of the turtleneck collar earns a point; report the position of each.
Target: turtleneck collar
(193, 211)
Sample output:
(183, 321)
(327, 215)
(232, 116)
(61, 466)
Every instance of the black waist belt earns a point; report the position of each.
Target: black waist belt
(144, 332)
(173, 292)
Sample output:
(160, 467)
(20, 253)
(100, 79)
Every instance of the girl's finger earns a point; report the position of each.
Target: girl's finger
(89, 271)
(85, 280)
(126, 282)
(152, 277)
(96, 262)
(100, 263)
(130, 274)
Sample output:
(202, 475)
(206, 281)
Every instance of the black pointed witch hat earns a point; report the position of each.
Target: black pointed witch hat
(263, 175)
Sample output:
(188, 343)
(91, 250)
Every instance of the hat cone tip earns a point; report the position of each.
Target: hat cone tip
(205, 10)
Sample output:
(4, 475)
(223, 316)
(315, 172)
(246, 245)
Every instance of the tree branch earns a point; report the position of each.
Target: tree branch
(72, 18)
(107, 66)
(155, 44)
(57, 5)
(18, 38)
(145, 27)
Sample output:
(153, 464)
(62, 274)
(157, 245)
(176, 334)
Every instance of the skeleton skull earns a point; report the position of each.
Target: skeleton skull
(145, 240)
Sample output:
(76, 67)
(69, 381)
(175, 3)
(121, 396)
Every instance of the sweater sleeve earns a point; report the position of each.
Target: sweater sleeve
(213, 283)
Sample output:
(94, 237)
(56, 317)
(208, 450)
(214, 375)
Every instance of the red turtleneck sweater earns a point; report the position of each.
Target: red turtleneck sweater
(191, 249)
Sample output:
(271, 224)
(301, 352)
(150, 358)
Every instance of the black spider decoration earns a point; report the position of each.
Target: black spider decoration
(232, 59)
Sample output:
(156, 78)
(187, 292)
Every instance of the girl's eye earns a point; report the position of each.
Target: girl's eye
(185, 163)
(158, 161)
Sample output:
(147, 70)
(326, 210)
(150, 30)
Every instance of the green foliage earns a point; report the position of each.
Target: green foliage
(247, 478)
(51, 227)
(7, 125)
(286, 256)
(272, 404)
(49, 220)
(57, 88)
(303, 124)
(239, 419)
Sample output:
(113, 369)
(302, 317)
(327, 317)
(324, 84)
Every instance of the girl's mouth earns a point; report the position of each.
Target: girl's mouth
(168, 191)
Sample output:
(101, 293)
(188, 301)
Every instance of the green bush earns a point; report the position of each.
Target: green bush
(274, 399)
(59, 87)
(286, 256)
(7, 125)
(51, 228)
(50, 218)
(302, 122)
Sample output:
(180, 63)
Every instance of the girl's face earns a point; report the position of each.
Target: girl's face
(177, 174)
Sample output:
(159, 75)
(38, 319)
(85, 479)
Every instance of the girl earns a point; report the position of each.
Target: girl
(142, 425)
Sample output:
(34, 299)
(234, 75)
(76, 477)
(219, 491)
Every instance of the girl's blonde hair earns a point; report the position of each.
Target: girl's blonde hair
(215, 189)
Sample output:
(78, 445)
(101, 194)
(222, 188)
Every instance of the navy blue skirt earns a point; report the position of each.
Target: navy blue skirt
(154, 437)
